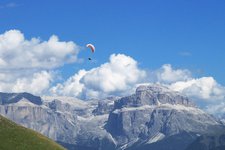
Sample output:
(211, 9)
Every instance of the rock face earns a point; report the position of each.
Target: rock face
(152, 115)
(155, 111)
(53, 124)
(69, 121)
(104, 107)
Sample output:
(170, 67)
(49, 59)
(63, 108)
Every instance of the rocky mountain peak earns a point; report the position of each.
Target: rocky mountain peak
(153, 94)
(155, 113)
(153, 87)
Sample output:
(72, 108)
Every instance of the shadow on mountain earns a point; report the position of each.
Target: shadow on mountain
(213, 140)
(174, 142)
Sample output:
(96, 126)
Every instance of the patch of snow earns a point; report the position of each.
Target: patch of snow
(157, 137)
(125, 109)
(223, 121)
(128, 144)
(60, 112)
(179, 107)
(66, 100)
(111, 103)
(113, 140)
(23, 102)
(71, 122)
(93, 117)
(123, 147)
(161, 106)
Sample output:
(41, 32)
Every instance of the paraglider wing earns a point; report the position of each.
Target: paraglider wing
(92, 47)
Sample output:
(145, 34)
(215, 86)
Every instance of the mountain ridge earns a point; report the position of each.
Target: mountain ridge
(152, 114)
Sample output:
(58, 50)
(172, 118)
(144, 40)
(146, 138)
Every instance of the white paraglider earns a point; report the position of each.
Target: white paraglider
(92, 47)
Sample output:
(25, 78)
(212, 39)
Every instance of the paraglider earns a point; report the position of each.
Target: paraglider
(92, 47)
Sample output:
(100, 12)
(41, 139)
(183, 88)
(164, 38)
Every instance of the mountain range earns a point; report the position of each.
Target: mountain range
(154, 117)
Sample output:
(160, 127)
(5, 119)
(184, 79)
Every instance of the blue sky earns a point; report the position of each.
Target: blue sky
(153, 32)
(179, 43)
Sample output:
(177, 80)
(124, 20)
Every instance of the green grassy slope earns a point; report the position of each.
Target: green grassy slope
(16, 137)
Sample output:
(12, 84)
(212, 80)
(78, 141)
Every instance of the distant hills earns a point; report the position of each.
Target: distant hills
(16, 137)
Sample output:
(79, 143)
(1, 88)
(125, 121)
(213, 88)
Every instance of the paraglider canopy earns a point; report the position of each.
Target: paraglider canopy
(92, 47)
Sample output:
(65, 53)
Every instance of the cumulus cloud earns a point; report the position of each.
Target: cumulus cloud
(217, 109)
(116, 77)
(205, 91)
(28, 65)
(71, 87)
(121, 75)
(35, 83)
(205, 88)
(166, 74)
(181, 80)
(17, 52)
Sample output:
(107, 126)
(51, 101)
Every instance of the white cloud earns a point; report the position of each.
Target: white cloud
(35, 83)
(205, 88)
(118, 76)
(71, 87)
(121, 75)
(205, 91)
(216, 109)
(166, 74)
(24, 63)
(16, 52)
(181, 80)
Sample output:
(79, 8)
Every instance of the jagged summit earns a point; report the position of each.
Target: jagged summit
(153, 94)
(156, 93)
(153, 87)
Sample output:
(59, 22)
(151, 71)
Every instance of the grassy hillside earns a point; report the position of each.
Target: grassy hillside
(16, 137)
